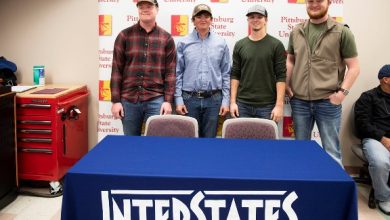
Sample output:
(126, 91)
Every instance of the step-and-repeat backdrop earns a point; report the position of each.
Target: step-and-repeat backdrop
(229, 21)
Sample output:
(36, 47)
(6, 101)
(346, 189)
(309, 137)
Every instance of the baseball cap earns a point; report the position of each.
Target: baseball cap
(384, 71)
(150, 1)
(257, 9)
(201, 7)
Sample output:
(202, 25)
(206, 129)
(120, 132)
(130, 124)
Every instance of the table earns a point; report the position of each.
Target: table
(201, 178)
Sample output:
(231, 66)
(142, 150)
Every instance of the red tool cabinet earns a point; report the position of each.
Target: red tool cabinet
(52, 130)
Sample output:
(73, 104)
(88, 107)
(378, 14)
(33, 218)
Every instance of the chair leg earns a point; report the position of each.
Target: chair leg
(371, 199)
(360, 179)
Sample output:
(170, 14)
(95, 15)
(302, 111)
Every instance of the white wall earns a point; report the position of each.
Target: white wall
(368, 20)
(63, 36)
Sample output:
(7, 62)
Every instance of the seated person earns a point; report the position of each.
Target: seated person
(372, 120)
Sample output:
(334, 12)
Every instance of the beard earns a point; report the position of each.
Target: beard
(318, 14)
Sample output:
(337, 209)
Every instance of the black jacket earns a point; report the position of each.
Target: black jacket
(372, 114)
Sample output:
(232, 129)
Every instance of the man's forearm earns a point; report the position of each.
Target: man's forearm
(233, 90)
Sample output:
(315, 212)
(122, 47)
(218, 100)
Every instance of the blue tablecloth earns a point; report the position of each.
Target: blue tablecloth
(188, 178)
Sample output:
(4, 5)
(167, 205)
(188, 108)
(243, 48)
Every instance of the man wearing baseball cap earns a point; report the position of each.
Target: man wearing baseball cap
(143, 70)
(372, 123)
(203, 74)
(259, 71)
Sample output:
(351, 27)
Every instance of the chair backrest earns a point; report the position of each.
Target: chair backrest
(356, 147)
(256, 128)
(171, 125)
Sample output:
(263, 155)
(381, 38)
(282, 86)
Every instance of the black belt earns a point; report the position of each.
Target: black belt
(202, 94)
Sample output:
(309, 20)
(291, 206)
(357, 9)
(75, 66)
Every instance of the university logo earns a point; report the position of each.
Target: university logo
(105, 25)
(104, 90)
(220, 1)
(288, 128)
(339, 19)
(179, 25)
(201, 205)
(296, 1)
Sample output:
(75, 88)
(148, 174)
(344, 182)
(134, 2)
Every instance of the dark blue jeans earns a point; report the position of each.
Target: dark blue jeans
(137, 113)
(249, 111)
(205, 111)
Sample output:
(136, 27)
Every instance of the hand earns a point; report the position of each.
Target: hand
(117, 110)
(277, 113)
(223, 110)
(234, 110)
(336, 98)
(166, 108)
(386, 142)
(289, 92)
(181, 109)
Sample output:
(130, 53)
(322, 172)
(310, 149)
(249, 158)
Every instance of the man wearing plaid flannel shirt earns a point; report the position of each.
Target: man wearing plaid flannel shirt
(143, 71)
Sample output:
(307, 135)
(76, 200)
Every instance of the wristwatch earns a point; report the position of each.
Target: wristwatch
(344, 91)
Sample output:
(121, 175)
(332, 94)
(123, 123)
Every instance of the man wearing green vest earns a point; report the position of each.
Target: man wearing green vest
(259, 71)
(319, 51)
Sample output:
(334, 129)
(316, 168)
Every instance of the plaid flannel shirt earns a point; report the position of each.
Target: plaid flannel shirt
(143, 65)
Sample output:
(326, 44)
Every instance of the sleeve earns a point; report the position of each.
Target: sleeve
(363, 118)
(236, 68)
(280, 63)
(170, 67)
(118, 62)
(348, 44)
(225, 70)
(290, 47)
(179, 74)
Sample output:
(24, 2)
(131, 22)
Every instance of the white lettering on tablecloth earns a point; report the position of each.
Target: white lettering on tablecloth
(186, 204)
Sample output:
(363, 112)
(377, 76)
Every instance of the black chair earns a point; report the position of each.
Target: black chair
(364, 174)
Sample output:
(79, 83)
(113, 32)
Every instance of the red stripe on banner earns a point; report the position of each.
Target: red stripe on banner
(175, 19)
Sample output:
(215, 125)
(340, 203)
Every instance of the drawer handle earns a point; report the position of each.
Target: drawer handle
(35, 122)
(36, 140)
(36, 150)
(34, 106)
(35, 131)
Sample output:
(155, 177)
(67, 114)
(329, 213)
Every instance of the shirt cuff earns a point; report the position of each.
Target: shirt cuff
(179, 100)
(225, 102)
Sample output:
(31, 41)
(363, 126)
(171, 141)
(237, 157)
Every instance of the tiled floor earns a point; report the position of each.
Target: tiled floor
(37, 208)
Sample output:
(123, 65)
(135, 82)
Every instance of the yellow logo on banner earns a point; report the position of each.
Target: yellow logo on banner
(339, 19)
(179, 25)
(105, 25)
(296, 1)
(104, 90)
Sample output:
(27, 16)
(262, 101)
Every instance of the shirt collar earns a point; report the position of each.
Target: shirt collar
(140, 28)
(196, 34)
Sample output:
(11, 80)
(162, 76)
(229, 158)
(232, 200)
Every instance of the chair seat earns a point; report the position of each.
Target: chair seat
(358, 151)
